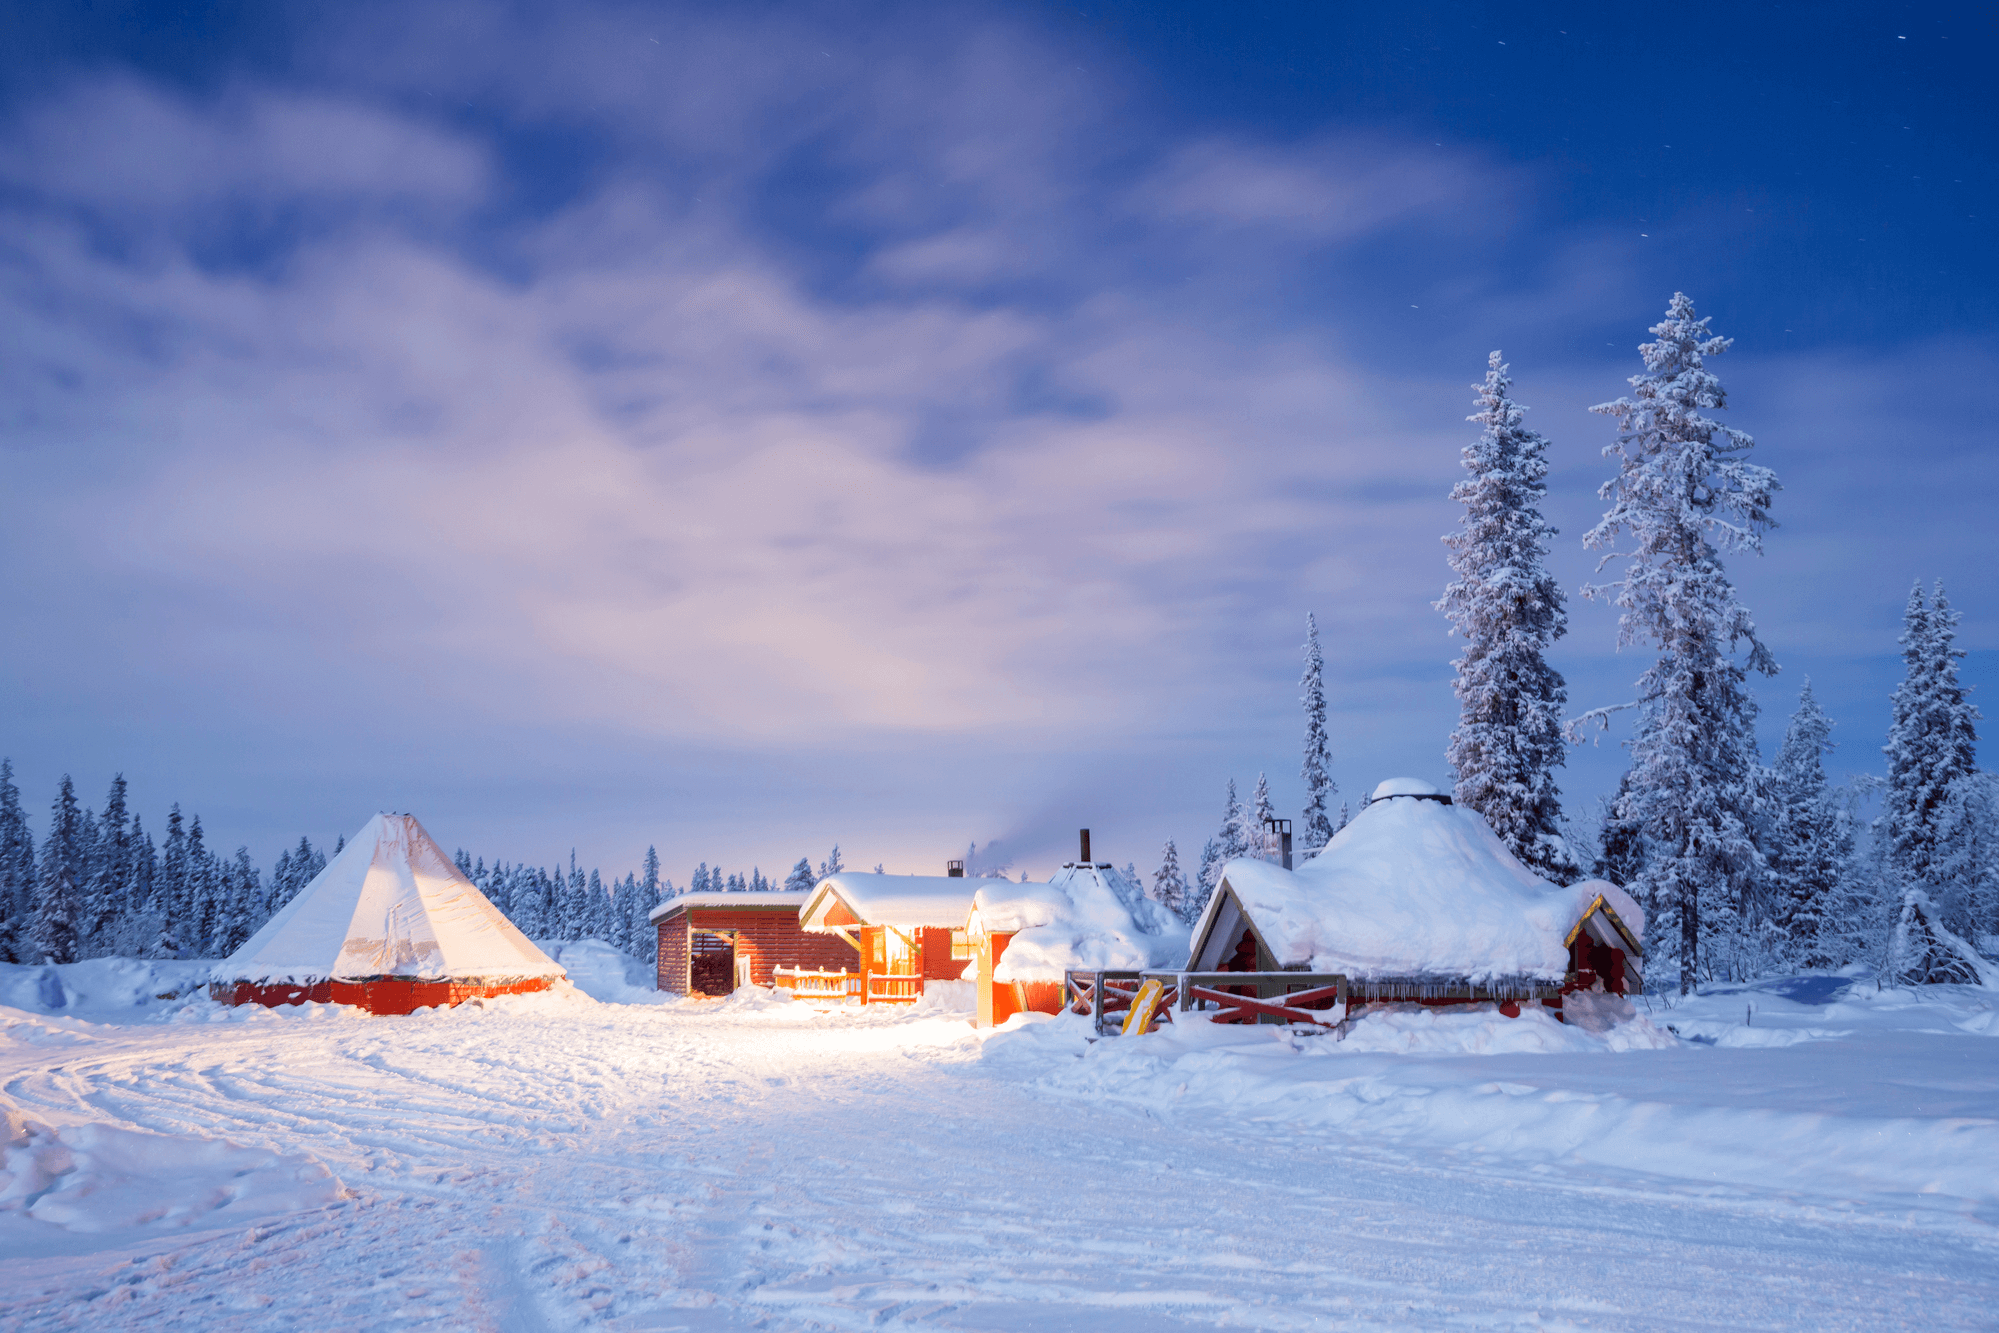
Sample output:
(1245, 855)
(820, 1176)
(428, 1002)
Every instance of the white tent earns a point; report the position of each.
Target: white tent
(390, 924)
(1414, 887)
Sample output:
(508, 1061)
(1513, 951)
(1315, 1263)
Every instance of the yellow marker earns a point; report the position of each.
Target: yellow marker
(1142, 1006)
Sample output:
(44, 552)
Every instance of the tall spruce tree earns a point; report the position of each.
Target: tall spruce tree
(1931, 740)
(107, 900)
(801, 879)
(204, 888)
(1257, 818)
(146, 926)
(17, 873)
(171, 892)
(1509, 610)
(1811, 840)
(1231, 837)
(1316, 829)
(1169, 884)
(1206, 877)
(59, 907)
(1684, 493)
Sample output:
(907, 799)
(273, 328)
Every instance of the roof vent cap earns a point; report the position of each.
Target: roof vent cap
(1407, 787)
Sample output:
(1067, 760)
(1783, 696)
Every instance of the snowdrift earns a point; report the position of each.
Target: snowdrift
(96, 1177)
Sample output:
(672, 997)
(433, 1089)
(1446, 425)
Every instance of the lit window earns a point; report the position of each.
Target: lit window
(961, 944)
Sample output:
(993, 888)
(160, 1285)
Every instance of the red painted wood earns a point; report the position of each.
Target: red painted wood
(768, 938)
(383, 995)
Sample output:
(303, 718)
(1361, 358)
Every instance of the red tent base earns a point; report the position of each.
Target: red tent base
(383, 995)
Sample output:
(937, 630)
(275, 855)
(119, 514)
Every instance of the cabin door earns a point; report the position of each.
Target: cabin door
(711, 963)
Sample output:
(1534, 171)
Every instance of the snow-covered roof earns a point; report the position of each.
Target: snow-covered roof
(1410, 887)
(892, 900)
(769, 900)
(1086, 916)
(391, 904)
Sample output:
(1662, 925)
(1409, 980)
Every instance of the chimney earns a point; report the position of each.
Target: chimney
(1085, 858)
(955, 869)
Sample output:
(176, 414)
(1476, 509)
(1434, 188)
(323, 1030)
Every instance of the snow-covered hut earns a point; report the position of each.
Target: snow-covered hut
(390, 925)
(1087, 916)
(908, 929)
(1417, 900)
(710, 943)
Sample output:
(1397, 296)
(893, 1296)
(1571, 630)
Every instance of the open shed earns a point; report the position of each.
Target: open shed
(1027, 937)
(1416, 900)
(711, 943)
(907, 929)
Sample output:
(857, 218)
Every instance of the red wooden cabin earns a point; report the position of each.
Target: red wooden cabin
(906, 930)
(710, 943)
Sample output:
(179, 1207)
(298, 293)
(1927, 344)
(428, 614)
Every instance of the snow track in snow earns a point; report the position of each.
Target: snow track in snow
(545, 1164)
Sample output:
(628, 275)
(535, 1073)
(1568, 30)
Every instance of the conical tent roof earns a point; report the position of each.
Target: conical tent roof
(391, 904)
(1414, 885)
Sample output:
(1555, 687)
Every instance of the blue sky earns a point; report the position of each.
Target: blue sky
(738, 428)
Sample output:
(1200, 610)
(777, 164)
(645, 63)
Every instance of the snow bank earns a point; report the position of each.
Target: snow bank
(1527, 1095)
(604, 973)
(101, 988)
(1086, 916)
(1413, 886)
(95, 1177)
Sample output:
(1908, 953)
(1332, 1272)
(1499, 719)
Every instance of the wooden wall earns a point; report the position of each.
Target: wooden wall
(769, 938)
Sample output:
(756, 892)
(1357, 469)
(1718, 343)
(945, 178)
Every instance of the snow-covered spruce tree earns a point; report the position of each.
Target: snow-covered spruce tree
(106, 887)
(60, 884)
(801, 879)
(1509, 609)
(1965, 871)
(243, 896)
(1810, 845)
(1931, 743)
(1256, 818)
(204, 887)
(1206, 877)
(1316, 829)
(1169, 883)
(170, 894)
(17, 872)
(1232, 838)
(832, 865)
(1683, 494)
(143, 927)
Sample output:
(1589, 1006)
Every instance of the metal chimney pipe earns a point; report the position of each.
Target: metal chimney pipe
(954, 869)
(1086, 847)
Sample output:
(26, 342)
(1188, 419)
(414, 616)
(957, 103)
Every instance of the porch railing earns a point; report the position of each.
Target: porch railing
(1315, 998)
(810, 985)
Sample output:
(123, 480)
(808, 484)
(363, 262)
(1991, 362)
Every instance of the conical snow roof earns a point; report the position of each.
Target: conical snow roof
(1413, 885)
(391, 904)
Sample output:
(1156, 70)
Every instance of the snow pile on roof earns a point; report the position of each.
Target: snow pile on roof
(747, 900)
(1411, 887)
(391, 904)
(907, 901)
(1086, 916)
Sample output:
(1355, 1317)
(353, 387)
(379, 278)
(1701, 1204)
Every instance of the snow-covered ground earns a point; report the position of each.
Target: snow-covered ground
(558, 1162)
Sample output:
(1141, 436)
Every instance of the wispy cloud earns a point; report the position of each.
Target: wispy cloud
(842, 407)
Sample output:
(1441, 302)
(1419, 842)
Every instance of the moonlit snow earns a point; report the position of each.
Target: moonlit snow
(1810, 1153)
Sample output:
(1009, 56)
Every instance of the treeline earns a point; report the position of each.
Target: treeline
(97, 884)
